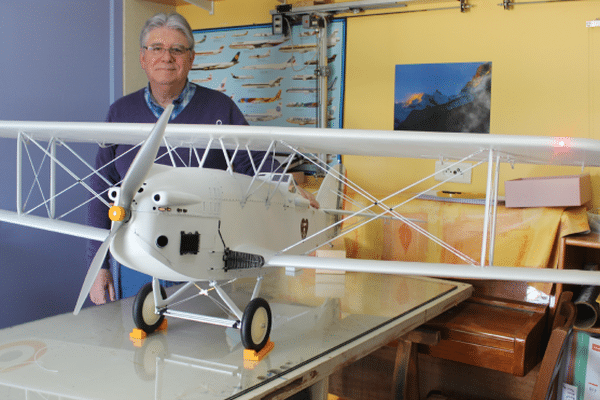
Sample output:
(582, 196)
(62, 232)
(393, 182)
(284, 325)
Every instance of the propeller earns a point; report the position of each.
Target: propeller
(120, 213)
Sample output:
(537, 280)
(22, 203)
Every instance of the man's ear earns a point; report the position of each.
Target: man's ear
(142, 62)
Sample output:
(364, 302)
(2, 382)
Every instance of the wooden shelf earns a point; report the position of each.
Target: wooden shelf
(589, 240)
(203, 4)
(576, 251)
(169, 2)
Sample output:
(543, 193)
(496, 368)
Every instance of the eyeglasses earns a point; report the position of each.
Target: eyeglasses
(158, 50)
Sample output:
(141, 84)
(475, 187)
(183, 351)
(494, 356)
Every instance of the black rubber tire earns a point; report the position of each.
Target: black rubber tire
(256, 312)
(142, 323)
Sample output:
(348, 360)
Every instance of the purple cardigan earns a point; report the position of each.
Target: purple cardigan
(207, 106)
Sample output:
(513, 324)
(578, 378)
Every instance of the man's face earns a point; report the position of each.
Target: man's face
(166, 69)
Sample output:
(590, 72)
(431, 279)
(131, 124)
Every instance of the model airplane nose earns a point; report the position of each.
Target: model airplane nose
(117, 213)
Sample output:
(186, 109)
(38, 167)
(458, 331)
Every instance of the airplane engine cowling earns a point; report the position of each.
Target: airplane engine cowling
(170, 198)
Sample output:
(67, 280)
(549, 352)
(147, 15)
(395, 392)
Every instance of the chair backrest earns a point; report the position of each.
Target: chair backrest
(564, 318)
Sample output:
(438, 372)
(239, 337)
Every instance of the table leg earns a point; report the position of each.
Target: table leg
(319, 390)
(406, 376)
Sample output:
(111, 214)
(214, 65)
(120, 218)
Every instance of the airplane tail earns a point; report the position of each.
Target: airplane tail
(332, 84)
(328, 196)
(222, 85)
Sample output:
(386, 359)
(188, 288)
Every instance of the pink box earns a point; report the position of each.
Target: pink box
(550, 191)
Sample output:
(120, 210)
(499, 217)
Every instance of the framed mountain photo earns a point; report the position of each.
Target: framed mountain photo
(450, 97)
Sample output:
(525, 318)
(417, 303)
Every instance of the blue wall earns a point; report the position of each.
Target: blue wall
(59, 61)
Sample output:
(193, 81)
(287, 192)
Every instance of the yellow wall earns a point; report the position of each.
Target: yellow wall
(545, 72)
(545, 79)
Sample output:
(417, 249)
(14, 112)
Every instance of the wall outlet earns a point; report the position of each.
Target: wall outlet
(460, 173)
(593, 24)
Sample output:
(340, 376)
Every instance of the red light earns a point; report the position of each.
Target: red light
(561, 145)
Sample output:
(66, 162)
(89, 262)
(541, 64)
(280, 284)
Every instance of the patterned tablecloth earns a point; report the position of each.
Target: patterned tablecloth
(524, 236)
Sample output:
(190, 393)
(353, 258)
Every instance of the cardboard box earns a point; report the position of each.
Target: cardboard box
(551, 191)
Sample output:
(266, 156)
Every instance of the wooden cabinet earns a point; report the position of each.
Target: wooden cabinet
(498, 334)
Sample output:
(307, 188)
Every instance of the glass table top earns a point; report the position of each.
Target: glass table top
(315, 315)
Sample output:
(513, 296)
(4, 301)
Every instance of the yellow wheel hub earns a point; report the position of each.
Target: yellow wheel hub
(116, 213)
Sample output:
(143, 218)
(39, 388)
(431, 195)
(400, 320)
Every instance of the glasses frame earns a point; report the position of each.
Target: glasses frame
(154, 48)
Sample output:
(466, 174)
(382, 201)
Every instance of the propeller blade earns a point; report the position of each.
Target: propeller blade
(143, 161)
(135, 177)
(95, 267)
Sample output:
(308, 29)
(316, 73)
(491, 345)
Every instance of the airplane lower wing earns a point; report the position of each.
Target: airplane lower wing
(54, 225)
(438, 270)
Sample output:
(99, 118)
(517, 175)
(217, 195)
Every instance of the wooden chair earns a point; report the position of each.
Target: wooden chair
(562, 326)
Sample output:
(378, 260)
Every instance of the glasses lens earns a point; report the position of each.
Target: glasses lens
(177, 50)
(155, 50)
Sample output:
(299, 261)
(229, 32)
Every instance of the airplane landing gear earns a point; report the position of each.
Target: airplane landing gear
(256, 324)
(144, 314)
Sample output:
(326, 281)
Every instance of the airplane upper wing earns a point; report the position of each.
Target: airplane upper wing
(405, 144)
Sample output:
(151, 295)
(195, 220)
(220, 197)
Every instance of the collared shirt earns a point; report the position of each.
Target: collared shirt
(180, 102)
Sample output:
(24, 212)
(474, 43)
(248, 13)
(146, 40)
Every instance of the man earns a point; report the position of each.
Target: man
(166, 55)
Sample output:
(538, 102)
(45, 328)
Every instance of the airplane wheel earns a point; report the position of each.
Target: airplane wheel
(256, 324)
(143, 309)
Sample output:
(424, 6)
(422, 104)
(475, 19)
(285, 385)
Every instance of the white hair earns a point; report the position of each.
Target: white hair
(171, 21)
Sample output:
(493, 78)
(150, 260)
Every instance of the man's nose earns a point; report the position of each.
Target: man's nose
(166, 56)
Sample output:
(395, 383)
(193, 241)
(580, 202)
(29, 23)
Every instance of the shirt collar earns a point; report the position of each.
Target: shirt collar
(179, 103)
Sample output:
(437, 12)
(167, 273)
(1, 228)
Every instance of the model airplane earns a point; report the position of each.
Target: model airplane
(263, 55)
(242, 76)
(308, 90)
(217, 65)
(260, 100)
(280, 66)
(302, 121)
(305, 48)
(304, 77)
(210, 52)
(203, 80)
(272, 83)
(312, 104)
(269, 115)
(257, 44)
(314, 60)
(200, 225)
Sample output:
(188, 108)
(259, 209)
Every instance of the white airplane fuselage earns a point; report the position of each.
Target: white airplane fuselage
(184, 218)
